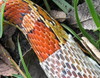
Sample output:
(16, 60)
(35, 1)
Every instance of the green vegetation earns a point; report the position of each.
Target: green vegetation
(1, 18)
(94, 15)
(22, 60)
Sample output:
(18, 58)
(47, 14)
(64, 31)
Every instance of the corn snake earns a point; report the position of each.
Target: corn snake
(58, 53)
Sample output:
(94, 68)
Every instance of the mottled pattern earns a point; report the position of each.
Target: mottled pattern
(70, 62)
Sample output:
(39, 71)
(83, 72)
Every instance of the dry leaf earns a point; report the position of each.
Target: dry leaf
(6, 68)
(10, 44)
(85, 16)
(59, 15)
(91, 48)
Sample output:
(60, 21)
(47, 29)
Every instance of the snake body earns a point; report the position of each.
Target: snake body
(59, 55)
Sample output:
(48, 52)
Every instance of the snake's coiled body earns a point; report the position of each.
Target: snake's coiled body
(58, 53)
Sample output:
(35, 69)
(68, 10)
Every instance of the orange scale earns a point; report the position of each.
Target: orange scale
(42, 29)
(47, 41)
(51, 34)
(43, 50)
(36, 42)
(52, 47)
(45, 56)
(40, 24)
(37, 51)
(46, 29)
(42, 34)
(13, 20)
(31, 35)
(29, 25)
(38, 48)
(37, 23)
(37, 32)
(39, 56)
(51, 52)
(42, 39)
(34, 48)
(37, 28)
(46, 50)
(9, 11)
(39, 43)
(42, 44)
(47, 33)
(41, 59)
(47, 37)
(15, 17)
(52, 41)
(9, 5)
(26, 25)
(37, 37)
(26, 20)
(23, 10)
(57, 46)
(47, 46)
(18, 21)
(31, 41)
(9, 15)
(56, 41)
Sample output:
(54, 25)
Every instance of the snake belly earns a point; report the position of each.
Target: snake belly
(59, 55)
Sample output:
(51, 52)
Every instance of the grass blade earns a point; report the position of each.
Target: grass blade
(1, 18)
(80, 26)
(93, 13)
(22, 60)
(71, 31)
(47, 5)
(18, 76)
(66, 7)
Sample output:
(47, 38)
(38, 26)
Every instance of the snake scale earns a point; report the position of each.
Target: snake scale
(58, 53)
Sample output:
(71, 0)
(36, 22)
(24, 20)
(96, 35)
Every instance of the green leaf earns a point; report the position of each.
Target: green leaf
(1, 17)
(71, 31)
(92, 40)
(93, 13)
(22, 60)
(66, 7)
(18, 76)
